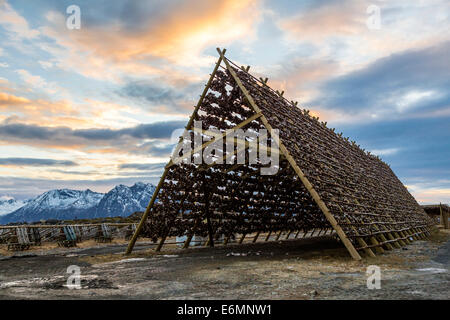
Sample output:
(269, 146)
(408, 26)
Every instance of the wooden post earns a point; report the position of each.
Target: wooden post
(406, 236)
(256, 236)
(289, 233)
(278, 235)
(160, 244)
(412, 234)
(360, 240)
(445, 217)
(268, 236)
(188, 241)
(242, 238)
(210, 231)
(395, 242)
(400, 241)
(378, 247)
(191, 235)
(225, 242)
(161, 181)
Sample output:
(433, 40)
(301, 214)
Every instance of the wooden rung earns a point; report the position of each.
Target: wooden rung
(268, 236)
(242, 238)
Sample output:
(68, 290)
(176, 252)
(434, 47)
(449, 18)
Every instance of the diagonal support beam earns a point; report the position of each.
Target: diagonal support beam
(294, 165)
(166, 169)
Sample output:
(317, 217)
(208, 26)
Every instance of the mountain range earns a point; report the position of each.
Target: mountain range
(67, 204)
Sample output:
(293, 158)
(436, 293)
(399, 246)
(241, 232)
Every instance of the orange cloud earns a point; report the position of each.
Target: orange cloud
(178, 36)
(432, 196)
(13, 22)
(7, 100)
(336, 19)
(36, 111)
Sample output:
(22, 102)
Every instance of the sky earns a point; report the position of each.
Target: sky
(97, 106)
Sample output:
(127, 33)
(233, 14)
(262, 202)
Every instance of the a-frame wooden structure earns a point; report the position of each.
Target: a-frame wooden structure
(324, 180)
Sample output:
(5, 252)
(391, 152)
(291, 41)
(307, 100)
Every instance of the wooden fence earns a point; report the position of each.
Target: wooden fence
(24, 236)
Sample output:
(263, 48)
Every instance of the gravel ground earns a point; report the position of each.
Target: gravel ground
(292, 269)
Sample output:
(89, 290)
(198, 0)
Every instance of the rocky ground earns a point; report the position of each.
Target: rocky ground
(292, 269)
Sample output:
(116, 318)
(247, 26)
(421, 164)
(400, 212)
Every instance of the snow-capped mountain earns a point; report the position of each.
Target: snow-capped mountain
(8, 205)
(56, 204)
(65, 204)
(124, 200)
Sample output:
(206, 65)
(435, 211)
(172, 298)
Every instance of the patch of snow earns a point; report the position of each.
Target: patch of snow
(131, 260)
(433, 270)
(9, 204)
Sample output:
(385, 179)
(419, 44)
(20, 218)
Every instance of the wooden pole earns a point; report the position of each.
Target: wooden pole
(256, 236)
(445, 216)
(191, 235)
(378, 247)
(166, 170)
(360, 240)
(278, 236)
(227, 239)
(355, 255)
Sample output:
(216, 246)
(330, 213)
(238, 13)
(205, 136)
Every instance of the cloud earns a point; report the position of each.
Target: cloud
(430, 191)
(416, 149)
(37, 82)
(149, 38)
(152, 92)
(384, 152)
(411, 83)
(159, 150)
(326, 19)
(14, 23)
(132, 139)
(142, 166)
(35, 162)
(157, 130)
(299, 77)
(11, 100)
